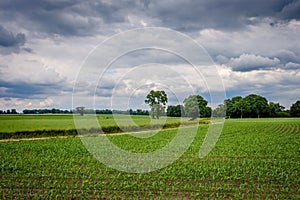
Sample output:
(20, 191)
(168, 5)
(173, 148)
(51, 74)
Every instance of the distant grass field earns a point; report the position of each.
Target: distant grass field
(13, 123)
(253, 159)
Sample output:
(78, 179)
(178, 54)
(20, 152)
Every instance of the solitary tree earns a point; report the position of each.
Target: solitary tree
(195, 106)
(157, 101)
(80, 110)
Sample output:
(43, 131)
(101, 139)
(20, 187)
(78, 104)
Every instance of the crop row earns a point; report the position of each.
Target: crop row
(250, 161)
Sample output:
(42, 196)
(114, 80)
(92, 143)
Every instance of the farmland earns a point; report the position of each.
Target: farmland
(253, 159)
(13, 123)
(37, 126)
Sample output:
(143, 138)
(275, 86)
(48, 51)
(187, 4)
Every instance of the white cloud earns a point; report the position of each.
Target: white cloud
(260, 43)
(276, 85)
(248, 62)
(260, 39)
(46, 102)
(29, 69)
(292, 66)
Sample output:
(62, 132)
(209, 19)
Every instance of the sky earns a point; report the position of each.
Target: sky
(110, 54)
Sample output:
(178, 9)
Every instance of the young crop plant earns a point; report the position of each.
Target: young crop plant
(253, 159)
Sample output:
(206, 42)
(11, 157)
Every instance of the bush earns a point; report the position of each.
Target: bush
(283, 114)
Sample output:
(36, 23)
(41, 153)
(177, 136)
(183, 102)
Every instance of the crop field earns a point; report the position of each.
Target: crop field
(13, 123)
(253, 159)
(39, 126)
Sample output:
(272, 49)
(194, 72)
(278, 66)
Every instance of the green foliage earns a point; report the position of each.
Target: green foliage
(220, 111)
(175, 111)
(45, 111)
(253, 159)
(282, 114)
(295, 109)
(196, 106)
(237, 107)
(138, 112)
(37, 134)
(157, 100)
(257, 105)
(204, 121)
(251, 106)
(80, 110)
(275, 108)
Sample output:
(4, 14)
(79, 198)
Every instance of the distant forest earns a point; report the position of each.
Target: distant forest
(86, 111)
(251, 106)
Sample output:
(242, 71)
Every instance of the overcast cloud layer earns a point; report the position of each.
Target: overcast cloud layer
(255, 45)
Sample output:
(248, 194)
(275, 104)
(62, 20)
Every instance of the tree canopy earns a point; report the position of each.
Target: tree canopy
(196, 106)
(80, 110)
(175, 111)
(253, 105)
(295, 109)
(275, 109)
(257, 106)
(157, 100)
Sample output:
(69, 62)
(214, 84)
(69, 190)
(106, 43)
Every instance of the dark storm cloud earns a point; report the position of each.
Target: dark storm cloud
(66, 17)
(44, 16)
(287, 56)
(74, 17)
(53, 24)
(291, 10)
(8, 39)
(10, 42)
(220, 14)
(27, 90)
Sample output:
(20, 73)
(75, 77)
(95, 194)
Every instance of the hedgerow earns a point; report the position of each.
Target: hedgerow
(98, 130)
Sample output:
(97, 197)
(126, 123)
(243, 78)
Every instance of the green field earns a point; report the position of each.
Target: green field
(253, 159)
(13, 123)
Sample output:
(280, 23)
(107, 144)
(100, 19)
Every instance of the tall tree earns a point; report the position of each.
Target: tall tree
(157, 100)
(258, 105)
(240, 106)
(237, 107)
(295, 109)
(80, 110)
(195, 106)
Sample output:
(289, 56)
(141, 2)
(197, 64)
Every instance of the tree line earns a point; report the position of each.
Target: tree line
(46, 111)
(194, 106)
(251, 106)
(256, 106)
(79, 110)
(9, 111)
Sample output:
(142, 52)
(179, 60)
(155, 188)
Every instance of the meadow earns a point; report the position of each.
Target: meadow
(253, 159)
